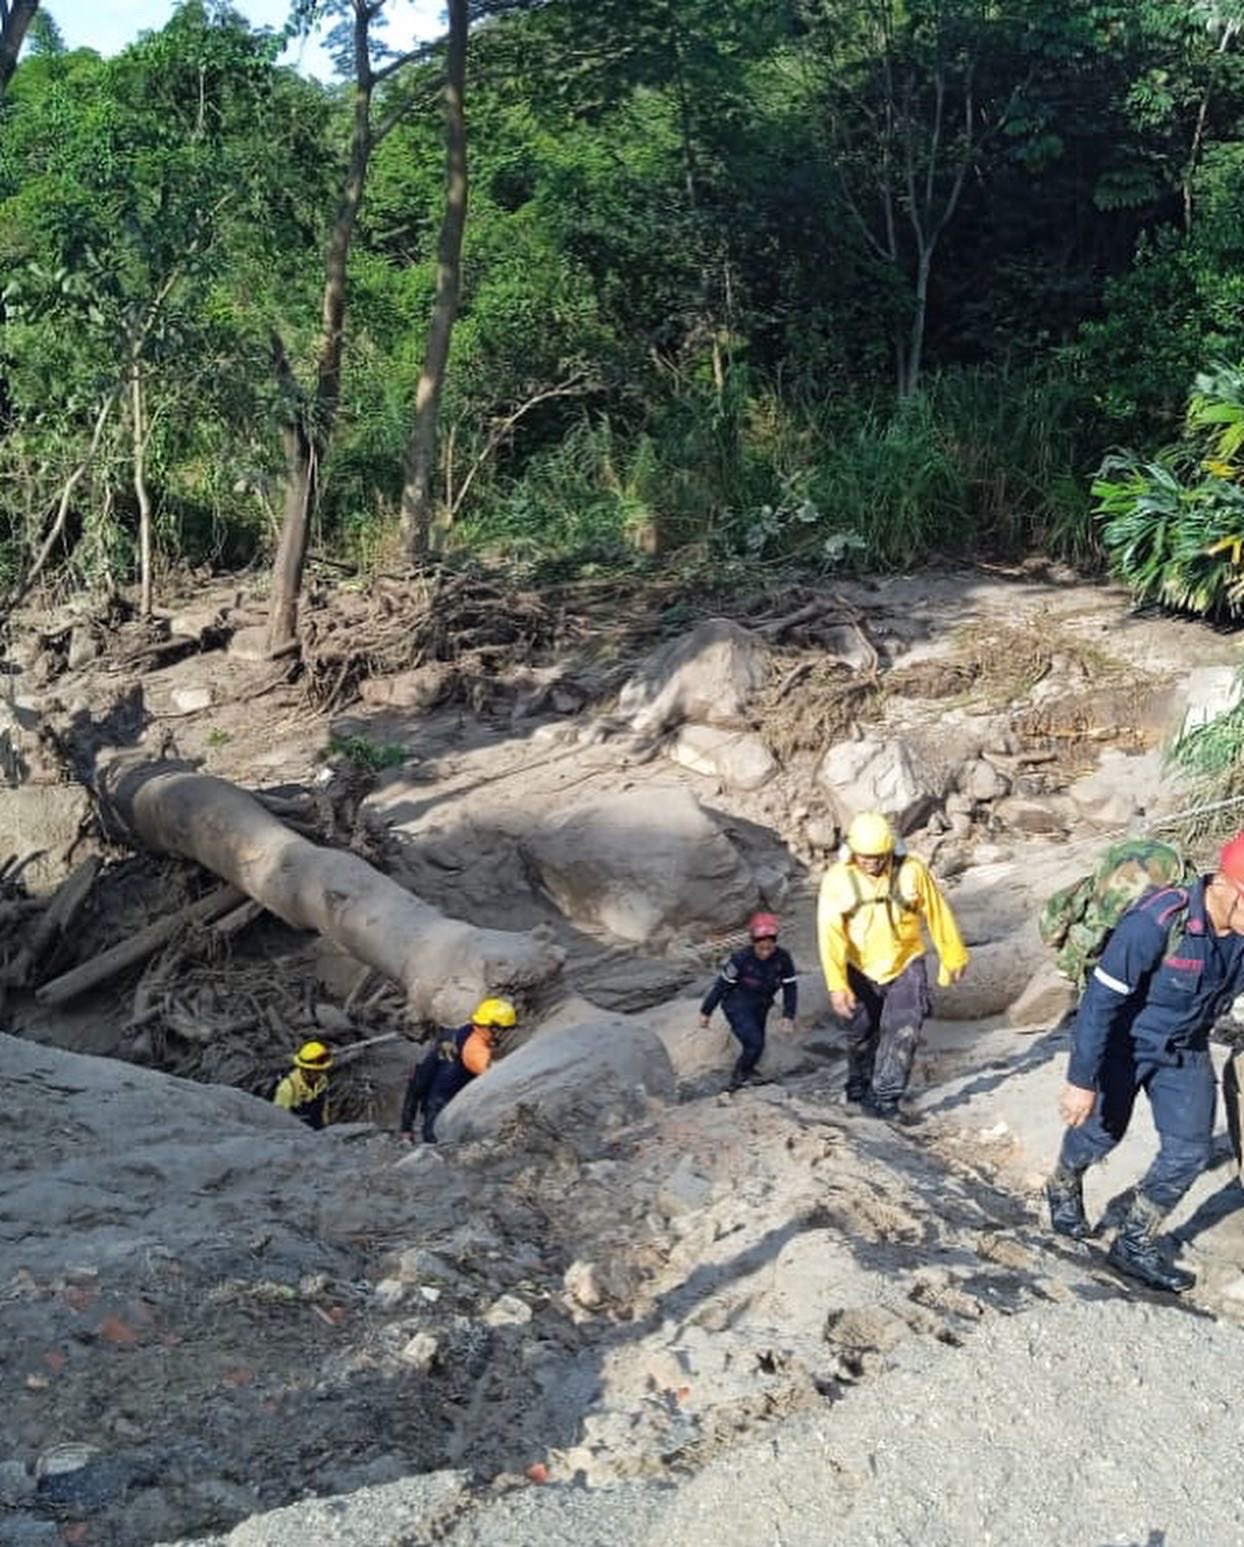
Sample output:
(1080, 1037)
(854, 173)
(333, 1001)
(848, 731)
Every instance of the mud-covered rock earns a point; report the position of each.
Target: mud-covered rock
(738, 758)
(873, 775)
(642, 865)
(580, 1074)
(707, 675)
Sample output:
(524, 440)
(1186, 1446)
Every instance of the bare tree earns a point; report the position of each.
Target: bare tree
(15, 19)
(904, 131)
(420, 459)
(311, 417)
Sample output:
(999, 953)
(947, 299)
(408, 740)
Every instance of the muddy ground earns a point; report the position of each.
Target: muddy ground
(212, 1313)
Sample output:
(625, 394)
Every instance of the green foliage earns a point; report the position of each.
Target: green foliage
(690, 270)
(1174, 525)
(371, 755)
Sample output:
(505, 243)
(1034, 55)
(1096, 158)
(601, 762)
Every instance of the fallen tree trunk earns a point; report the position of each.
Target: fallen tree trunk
(102, 968)
(443, 965)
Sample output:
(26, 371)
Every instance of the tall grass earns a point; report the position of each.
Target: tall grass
(981, 464)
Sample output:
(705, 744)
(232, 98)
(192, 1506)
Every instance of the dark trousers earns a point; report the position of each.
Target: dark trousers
(884, 1031)
(747, 1022)
(1181, 1096)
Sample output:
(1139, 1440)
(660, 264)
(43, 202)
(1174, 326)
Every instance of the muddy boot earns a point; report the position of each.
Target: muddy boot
(884, 1107)
(857, 1091)
(1135, 1250)
(1064, 1192)
(739, 1077)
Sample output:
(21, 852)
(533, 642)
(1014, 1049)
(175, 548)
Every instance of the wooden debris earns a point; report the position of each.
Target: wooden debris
(105, 966)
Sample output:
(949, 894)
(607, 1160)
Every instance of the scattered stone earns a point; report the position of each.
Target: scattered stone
(1044, 1000)
(83, 647)
(507, 1311)
(190, 700)
(707, 675)
(418, 1265)
(194, 622)
(642, 864)
(738, 758)
(1024, 815)
(389, 1293)
(872, 775)
(418, 689)
(981, 781)
(420, 1353)
(250, 644)
(583, 1285)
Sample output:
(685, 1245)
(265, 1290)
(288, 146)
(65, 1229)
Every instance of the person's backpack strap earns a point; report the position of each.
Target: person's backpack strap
(891, 897)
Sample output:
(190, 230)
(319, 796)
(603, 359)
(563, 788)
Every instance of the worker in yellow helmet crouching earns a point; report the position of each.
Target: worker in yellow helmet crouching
(304, 1090)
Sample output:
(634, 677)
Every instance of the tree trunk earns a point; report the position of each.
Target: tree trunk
(138, 412)
(915, 353)
(444, 966)
(308, 438)
(291, 550)
(15, 20)
(416, 509)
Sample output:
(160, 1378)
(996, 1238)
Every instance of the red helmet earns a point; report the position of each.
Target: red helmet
(1231, 861)
(765, 926)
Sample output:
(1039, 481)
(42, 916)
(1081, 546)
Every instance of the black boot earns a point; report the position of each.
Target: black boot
(884, 1107)
(1064, 1192)
(857, 1090)
(1135, 1250)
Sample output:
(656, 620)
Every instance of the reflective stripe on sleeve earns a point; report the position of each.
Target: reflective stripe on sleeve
(1107, 981)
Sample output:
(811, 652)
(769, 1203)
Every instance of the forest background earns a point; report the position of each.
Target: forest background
(589, 284)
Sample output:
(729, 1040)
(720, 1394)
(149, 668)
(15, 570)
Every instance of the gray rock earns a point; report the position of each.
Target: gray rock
(421, 1351)
(708, 674)
(1044, 999)
(189, 700)
(420, 688)
(507, 1311)
(588, 1072)
(871, 775)
(642, 864)
(996, 976)
(414, 1509)
(250, 644)
(194, 622)
(83, 647)
(738, 758)
(982, 781)
(1025, 815)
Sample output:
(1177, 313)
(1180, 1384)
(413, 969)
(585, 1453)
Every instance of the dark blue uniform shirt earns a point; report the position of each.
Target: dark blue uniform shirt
(755, 980)
(1163, 980)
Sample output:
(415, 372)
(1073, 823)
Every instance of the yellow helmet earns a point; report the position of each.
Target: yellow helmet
(495, 1012)
(870, 833)
(314, 1056)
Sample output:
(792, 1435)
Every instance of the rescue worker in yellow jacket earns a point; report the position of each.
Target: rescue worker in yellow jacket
(304, 1090)
(875, 904)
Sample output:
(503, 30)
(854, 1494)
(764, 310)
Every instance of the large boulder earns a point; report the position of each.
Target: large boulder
(707, 675)
(642, 864)
(873, 775)
(581, 1068)
(997, 975)
(738, 758)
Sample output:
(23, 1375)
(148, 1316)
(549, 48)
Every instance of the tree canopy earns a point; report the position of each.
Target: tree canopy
(835, 280)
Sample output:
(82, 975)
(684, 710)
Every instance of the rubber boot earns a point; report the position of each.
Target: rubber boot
(739, 1077)
(1135, 1250)
(857, 1091)
(1064, 1192)
(883, 1107)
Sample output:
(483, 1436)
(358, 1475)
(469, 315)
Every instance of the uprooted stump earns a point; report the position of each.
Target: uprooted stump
(443, 965)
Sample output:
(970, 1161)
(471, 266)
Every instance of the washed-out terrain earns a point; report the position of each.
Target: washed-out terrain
(616, 1305)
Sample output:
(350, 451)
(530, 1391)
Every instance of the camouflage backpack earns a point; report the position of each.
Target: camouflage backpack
(1079, 920)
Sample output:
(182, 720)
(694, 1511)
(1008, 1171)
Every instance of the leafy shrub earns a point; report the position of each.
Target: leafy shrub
(1174, 525)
